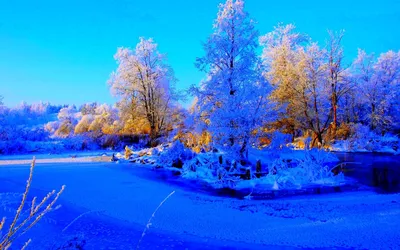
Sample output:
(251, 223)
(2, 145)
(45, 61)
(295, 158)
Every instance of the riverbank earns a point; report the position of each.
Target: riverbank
(65, 157)
(58, 160)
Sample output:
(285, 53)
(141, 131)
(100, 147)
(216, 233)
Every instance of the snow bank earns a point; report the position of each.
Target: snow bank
(273, 169)
(362, 139)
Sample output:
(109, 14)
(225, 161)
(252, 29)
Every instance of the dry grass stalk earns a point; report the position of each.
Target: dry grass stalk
(20, 225)
(152, 216)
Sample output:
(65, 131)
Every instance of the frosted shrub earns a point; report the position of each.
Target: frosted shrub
(363, 139)
(52, 127)
(314, 166)
(35, 134)
(176, 152)
(223, 179)
(200, 168)
(206, 166)
(279, 141)
(128, 153)
(155, 151)
(391, 141)
(64, 130)
(343, 131)
(108, 141)
(78, 143)
(360, 132)
(302, 168)
(191, 165)
(204, 160)
(84, 124)
(11, 147)
(277, 165)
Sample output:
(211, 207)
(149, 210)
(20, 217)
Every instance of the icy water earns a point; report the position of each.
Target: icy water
(369, 170)
(381, 171)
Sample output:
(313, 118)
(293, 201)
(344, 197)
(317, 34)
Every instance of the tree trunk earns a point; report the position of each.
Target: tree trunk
(243, 150)
(373, 125)
(334, 118)
(153, 135)
(319, 137)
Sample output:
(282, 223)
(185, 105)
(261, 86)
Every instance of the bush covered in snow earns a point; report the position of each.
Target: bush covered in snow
(288, 169)
(362, 139)
(47, 128)
(176, 154)
(275, 167)
(212, 168)
(302, 168)
(22, 128)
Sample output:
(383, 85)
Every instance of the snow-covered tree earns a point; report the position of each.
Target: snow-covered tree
(387, 70)
(84, 124)
(144, 78)
(338, 75)
(232, 99)
(378, 86)
(67, 121)
(282, 69)
(299, 73)
(312, 94)
(131, 119)
(103, 122)
(88, 108)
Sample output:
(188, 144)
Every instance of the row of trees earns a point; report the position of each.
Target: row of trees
(316, 90)
(295, 86)
(102, 125)
(22, 127)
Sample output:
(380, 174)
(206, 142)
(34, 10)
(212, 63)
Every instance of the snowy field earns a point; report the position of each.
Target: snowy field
(117, 200)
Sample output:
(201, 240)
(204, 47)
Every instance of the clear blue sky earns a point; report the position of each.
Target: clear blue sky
(62, 50)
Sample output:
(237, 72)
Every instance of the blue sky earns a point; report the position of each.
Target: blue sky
(62, 51)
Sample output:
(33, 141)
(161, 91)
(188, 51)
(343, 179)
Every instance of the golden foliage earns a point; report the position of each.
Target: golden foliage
(128, 152)
(196, 142)
(82, 127)
(301, 144)
(96, 125)
(264, 141)
(343, 131)
(64, 130)
(135, 127)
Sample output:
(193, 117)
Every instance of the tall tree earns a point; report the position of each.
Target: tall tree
(232, 99)
(280, 59)
(313, 91)
(387, 70)
(340, 84)
(144, 79)
(378, 85)
(298, 71)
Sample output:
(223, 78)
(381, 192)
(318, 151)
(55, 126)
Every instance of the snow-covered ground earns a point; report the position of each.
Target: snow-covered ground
(64, 154)
(120, 199)
(364, 140)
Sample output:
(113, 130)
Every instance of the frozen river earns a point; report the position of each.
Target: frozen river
(118, 199)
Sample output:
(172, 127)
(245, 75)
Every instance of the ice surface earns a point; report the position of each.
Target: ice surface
(124, 196)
